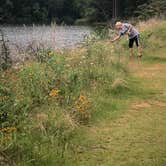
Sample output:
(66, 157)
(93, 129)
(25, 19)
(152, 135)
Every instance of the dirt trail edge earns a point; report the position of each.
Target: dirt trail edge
(138, 137)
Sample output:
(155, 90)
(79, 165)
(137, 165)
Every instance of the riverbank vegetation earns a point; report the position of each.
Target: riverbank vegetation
(77, 11)
(49, 104)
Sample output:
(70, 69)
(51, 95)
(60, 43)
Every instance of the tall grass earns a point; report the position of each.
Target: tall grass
(46, 99)
(43, 102)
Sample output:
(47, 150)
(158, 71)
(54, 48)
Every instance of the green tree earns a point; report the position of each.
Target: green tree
(67, 11)
(151, 9)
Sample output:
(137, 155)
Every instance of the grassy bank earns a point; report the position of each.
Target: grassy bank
(58, 109)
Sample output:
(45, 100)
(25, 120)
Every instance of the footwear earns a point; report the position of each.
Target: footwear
(139, 55)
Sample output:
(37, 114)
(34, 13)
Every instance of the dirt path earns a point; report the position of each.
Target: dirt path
(138, 137)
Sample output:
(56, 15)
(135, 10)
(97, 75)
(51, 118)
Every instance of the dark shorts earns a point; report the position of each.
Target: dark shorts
(136, 40)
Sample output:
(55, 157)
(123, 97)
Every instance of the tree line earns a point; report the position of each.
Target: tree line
(76, 11)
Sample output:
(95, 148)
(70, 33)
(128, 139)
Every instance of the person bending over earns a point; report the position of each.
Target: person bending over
(133, 35)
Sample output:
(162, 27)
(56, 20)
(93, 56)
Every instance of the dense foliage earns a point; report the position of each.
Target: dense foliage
(68, 11)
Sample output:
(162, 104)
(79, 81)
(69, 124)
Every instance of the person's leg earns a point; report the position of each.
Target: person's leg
(131, 52)
(137, 41)
(139, 51)
(131, 42)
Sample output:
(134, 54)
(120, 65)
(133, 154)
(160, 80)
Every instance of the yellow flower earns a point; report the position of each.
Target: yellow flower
(50, 53)
(54, 92)
(82, 97)
(30, 74)
(8, 129)
(7, 138)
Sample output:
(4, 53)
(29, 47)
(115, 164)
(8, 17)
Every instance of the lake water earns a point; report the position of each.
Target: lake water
(53, 36)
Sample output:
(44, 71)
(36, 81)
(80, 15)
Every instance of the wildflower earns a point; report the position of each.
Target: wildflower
(8, 129)
(54, 92)
(83, 107)
(82, 97)
(30, 74)
(4, 97)
(61, 52)
(67, 65)
(50, 53)
(7, 138)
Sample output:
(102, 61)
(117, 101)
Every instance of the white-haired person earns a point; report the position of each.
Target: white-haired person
(133, 35)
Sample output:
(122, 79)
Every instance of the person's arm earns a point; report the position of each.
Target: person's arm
(116, 38)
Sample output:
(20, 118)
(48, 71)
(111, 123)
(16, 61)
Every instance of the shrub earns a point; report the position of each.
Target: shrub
(43, 99)
(83, 109)
(39, 138)
(33, 83)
